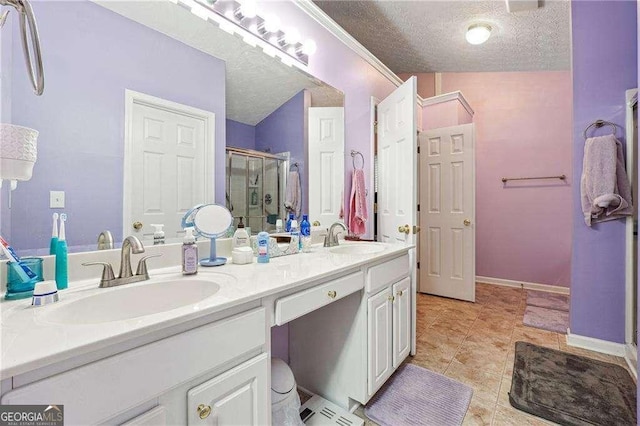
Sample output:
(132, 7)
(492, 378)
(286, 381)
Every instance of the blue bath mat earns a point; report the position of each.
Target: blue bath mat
(416, 396)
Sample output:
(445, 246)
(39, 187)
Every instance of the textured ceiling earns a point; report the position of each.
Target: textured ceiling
(256, 84)
(428, 36)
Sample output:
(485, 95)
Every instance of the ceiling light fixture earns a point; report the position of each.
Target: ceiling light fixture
(478, 33)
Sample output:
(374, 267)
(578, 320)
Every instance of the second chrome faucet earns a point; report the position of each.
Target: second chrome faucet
(131, 244)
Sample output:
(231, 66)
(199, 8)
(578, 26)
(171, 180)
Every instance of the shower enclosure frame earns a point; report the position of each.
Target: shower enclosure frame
(282, 161)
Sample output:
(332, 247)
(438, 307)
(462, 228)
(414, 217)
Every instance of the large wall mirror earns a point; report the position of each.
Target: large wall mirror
(138, 95)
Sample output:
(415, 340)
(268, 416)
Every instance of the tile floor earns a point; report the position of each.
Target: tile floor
(474, 343)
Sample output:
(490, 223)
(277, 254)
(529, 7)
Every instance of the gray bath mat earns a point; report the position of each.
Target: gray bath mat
(546, 319)
(548, 300)
(570, 389)
(416, 396)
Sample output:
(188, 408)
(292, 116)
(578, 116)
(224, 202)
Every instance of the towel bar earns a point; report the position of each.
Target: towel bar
(561, 177)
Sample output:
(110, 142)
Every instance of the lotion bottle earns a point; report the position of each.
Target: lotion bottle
(158, 234)
(263, 247)
(189, 253)
(241, 236)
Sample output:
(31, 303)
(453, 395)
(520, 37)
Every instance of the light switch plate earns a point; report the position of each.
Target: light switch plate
(56, 199)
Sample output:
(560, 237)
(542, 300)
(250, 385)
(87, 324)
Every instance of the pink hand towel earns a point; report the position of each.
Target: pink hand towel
(358, 204)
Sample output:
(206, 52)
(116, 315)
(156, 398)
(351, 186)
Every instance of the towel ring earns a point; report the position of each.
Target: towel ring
(355, 153)
(598, 124)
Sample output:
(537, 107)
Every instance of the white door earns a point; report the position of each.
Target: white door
(237, 397)
(447, 212)
(326, 163)
(401, 321)
(380, 320)
(168, 164)
(398, 175)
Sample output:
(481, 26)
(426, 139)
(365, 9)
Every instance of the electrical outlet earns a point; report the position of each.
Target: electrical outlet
(56, 199)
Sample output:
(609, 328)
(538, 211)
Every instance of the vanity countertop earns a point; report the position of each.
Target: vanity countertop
(30, 341)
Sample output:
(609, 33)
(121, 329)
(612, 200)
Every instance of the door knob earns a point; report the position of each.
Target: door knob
(416, 229)
(204, 411)
(137, 225)
(404, 229)
(467, 222)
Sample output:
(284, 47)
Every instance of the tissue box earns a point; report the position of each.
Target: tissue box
(279, 245)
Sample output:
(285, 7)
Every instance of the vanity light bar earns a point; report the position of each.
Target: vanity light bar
(235, 17)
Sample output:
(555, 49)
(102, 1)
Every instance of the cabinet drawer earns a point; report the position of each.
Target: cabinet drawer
(386, 273)
(294, 306)
(100, 390)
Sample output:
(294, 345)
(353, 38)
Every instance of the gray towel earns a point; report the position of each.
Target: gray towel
(605, 188)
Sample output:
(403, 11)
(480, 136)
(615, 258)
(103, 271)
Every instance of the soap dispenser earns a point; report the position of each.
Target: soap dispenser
(158, 234)
(189, 253)
(240, 237)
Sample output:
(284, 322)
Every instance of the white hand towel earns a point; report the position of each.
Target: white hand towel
(604, 186)
(293, 194)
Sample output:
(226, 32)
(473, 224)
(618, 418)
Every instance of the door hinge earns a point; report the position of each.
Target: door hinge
(375, 207)
(418, 265)
(418, 207)
(418, 149)
(375, 127)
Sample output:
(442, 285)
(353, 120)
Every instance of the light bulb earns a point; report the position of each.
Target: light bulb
(248, 9)
(309, 47)
(478, 33)
(291, 36)
(271, 23)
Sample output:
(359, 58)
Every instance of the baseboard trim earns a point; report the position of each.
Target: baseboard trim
(631, 356)
(597, 345)
(523, 284)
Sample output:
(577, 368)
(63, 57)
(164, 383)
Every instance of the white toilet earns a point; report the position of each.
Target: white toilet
(285, 401)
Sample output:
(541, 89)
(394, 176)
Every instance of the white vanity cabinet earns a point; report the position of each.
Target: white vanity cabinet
(226, 358)
(236, 397)
(388, 319)
(347, 350)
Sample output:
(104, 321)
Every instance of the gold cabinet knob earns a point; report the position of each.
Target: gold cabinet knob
(137, 225)
(416, 229)
(400, 293)
(391, 298)
(466, 222)
(316, 223)
(332, 294)
(204, 411)
(404, 229)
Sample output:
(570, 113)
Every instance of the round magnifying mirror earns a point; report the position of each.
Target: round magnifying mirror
(210, 221)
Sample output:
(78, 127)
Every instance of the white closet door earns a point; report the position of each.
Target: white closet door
(447, 201)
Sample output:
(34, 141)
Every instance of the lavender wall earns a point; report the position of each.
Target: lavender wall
(5, 116)
(240, 135)
(522, 128)
(604, 66)
(283, 130)
(91, 55)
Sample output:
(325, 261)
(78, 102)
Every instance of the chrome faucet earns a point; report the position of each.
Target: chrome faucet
(105, 240)
(331, 239)
(131, 244)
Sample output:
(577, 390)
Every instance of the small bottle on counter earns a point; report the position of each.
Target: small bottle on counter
(158, 234)
(263, 247)
(241, 236)
(189, 253)
(287, 226)
(305, 234)
(295, 233)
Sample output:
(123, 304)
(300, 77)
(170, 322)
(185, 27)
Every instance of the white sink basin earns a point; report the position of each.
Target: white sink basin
(132, 302)
(358, 248)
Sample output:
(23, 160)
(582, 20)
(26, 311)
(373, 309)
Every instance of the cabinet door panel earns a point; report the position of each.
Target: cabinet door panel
(379, 333)
(237, 397)
(401, 321)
